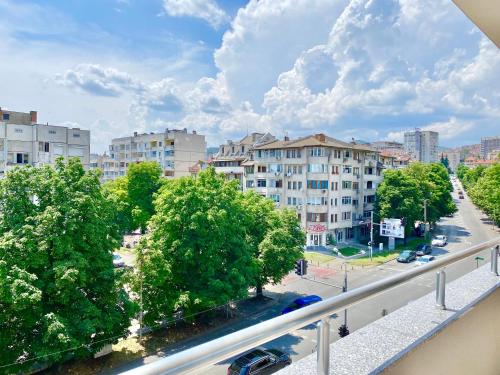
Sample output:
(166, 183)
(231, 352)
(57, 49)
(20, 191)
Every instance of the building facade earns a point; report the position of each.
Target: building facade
(331, 184)
(25, 142)
(422, 145)
(231, 155)
(489, 144)
(176, 151)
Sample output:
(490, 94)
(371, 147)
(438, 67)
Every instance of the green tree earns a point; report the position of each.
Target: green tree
(60, 297)
(195, 255)
(116, 191)
(275, 239)
(486, 192)
(398, 196)
(143, 181)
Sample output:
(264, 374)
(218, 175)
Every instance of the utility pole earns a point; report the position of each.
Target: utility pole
(425, 219)
(345, 290)
(371, 235)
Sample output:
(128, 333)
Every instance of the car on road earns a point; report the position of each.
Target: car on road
(425, 259)
(439, 240)
(423, 249)
(118, 261)
(259, 361)
(301, 302)
(407, 256)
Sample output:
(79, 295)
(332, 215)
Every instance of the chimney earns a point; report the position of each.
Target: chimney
(320, 137)
(33, 116)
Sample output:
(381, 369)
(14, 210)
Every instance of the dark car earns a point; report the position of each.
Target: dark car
(301, 302)
(259, 361)
(423, 249)
(407, 256)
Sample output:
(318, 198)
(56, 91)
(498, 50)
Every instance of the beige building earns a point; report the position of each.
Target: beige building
(422, 145)
(23, 141)
(331, 184)
(229, 158)
(175, 150)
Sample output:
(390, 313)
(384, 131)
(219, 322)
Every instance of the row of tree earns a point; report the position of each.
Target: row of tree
(483, 186)
(206, 243)
(403, 192)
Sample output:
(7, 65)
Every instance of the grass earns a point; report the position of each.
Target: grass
(386, 256)
(348, 251)
(318, 257)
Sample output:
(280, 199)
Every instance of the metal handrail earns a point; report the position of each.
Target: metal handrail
(235, 343)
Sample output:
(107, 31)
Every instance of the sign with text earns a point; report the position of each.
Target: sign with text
(316, 228)
(392, 228)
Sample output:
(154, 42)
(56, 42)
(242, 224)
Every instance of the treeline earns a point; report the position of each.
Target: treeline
(403, 191)
(483, 187)
(206, 243)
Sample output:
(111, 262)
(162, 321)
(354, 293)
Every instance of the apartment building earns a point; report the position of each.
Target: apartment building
(422, 145)
(175, 150)
(25, 142)
(489, 144)
(387, 145)
(331, 184)
(231, 155)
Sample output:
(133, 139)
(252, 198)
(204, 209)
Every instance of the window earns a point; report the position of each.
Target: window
(369, 185)
(355, 171)
(333, 218)
(316, 218)
(6, 116)
(18, 130)
(52, 132)
(355, 202)
(275, 168)
(335, 169)
(356, 155)
(367, 214)
(169, 152)
(355, 186)
(261, 169)
(368, 170)
(316, 151)
(317, 184)
(293, 154)
(336, 154)
(43, 146)
(317, 201)
(259, 153)
(76, 135)
(346, 184)
(22, 158)
(289, 185)
(346, 215)
(347, 154)
(346, 200)
(275, 198)
(317, 168)
(159, 144)
(299, 185)
(276, 183)
(335, 185)
(369, 198)
(261, 183)
(347, 169)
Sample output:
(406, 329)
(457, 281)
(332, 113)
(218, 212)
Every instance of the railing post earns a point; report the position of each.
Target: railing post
(323, 355)
(494, 260)
(440, 289)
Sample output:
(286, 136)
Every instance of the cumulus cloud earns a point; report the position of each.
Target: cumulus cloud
(207, 10)
(97, 80)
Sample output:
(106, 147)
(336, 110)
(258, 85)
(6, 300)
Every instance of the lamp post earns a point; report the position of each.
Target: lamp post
(425, 219)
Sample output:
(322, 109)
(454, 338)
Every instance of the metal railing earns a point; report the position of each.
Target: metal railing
(235, 343)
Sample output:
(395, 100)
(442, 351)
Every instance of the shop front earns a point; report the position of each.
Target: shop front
(316, 235)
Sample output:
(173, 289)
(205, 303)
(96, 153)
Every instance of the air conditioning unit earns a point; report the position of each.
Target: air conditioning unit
(277, 173)
(289, 174)
(278, 157)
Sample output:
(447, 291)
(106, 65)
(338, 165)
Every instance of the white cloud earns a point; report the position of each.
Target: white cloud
(448, 130)
(207, 10)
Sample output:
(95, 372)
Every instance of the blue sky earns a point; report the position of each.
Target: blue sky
(367, 69)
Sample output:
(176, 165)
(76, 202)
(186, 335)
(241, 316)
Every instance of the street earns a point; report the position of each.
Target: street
(468, 226)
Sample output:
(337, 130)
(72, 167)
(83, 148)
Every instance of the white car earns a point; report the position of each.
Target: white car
(118, 261)
(424, 260)
(439, 241)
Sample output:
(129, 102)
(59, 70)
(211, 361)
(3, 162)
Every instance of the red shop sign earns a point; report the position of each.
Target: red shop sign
(316, 228)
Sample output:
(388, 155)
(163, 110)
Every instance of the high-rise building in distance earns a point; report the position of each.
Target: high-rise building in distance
(489, 144)
(422, 145)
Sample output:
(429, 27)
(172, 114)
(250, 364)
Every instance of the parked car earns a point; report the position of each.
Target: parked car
(461, 196)
(301, 302)
(423, 249)
(407, 256)
(259, 361)
(440, 240)
(118, 261)
(425, 259)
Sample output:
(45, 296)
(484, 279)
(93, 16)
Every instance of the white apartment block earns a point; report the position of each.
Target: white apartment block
(24, 142)
(228, 160)
(488, 145)
(174, 150)
(422, 145)
(331, 184)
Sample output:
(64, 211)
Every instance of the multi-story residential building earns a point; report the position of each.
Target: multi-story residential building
(422, 145)
(489, 144)
(23, 141)
(175, 150)
(330, 183)
(387, 146)
(229, 158)
(105, 164)
(453, 160)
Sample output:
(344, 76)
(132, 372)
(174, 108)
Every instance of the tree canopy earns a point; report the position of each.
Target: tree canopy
(59, 294)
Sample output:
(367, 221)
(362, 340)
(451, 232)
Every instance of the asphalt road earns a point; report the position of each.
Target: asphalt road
(467, 227)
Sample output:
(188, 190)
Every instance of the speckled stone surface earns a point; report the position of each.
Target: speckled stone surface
(374, 347)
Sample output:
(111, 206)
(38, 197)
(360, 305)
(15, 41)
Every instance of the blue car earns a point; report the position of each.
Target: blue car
(301, 302)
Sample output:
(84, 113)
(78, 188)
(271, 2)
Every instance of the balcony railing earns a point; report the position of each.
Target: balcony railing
(230, 345)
